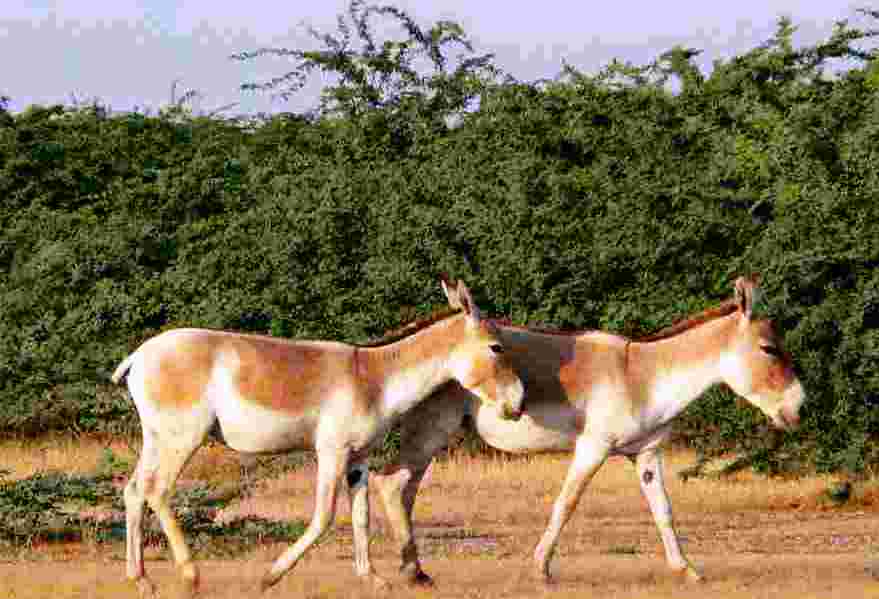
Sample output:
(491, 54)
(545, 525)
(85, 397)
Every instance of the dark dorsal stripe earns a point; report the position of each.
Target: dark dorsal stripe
(409, 329)
(542, 329)
(690, 322)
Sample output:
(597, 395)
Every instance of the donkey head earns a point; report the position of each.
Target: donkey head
(478, 362)
(757, 367)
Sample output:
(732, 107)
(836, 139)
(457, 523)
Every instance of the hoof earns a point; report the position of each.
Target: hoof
(871, 569)
(145, 588)
(379, 583)
(540, 562)
(691, 574)
(189, 573)
(542, 576)
(267, 582)
(421, 579)
(415, 576)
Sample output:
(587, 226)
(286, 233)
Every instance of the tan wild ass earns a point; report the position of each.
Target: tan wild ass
(602, 395)
(270, 394)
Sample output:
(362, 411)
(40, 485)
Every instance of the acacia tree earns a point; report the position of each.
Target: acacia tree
(5, 117)
(433, 71)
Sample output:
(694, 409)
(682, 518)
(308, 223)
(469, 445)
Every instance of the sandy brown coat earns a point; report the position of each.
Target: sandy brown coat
(271, 394)
(600, 395)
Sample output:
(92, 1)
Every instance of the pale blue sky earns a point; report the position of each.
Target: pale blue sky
(127, 52)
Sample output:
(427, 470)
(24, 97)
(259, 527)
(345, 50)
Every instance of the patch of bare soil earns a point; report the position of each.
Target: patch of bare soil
(776, 554)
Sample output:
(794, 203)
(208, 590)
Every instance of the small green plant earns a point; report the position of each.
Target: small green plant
(46, 506)
(837, 494)
(111, 464)
(241, 534)
(53, 506)
(623, 550)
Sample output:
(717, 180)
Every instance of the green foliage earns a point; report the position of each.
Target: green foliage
(112, 465)
(410, 74)
(196, 509)
(602, 201)
(239, 535)
(39, 508)
(51, 506)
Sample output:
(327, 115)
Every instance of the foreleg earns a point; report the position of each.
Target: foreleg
(650, 475)
(589, 454)
(331, 464)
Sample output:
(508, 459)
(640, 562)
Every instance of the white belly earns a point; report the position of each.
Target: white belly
(543, 427)
(252, 428)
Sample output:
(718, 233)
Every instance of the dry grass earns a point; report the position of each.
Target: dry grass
(75, 455)
(528, 481)
(81, 455)
(478, 519)
(522, 489)
(522, 482)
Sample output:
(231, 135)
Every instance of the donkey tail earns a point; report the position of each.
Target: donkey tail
(123, 368)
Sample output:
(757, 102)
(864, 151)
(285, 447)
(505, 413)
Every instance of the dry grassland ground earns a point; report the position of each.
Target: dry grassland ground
(479, 519)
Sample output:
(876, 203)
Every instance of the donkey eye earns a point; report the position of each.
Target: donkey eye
(497, 348)
(771, 350)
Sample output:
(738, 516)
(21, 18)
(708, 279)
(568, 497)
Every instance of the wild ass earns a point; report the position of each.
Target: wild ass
(602, 395)
(270, 394)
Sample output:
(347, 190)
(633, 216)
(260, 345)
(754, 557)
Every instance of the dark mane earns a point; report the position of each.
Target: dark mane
(409, 329)
(724, 309)
(719, 311)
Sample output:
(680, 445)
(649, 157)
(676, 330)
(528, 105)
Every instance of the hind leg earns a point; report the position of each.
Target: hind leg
(162, 460)
(358, 494)
(424, 431)
(398, 489)
(159, 488)
(134, 511)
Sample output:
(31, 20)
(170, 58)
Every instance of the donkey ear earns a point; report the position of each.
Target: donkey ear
(466, 301)
(747, 294)
(451, 291)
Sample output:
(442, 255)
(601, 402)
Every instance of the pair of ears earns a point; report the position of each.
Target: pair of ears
(747, 295)
(459, 296)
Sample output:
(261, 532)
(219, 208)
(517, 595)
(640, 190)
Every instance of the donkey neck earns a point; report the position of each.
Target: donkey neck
(399, 375)
(674, 371)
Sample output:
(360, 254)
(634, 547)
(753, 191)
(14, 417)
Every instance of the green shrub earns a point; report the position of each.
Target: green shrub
(599, 201)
